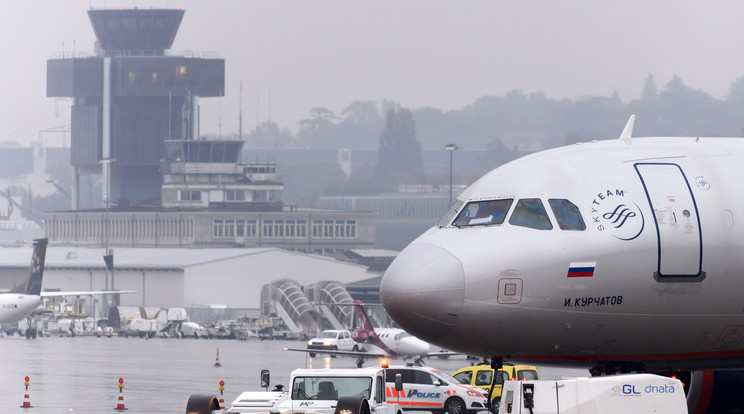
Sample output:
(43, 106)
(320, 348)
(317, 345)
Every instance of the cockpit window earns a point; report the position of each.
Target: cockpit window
(402, 335)
(530, 212)
(483, 213)
(451, 213)
(567, 214)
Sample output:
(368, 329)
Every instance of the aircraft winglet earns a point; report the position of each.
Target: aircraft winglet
(627, 134)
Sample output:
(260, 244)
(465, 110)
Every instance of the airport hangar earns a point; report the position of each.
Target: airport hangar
(172, 277)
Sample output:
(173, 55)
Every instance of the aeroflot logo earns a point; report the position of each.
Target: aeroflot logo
(617, 214)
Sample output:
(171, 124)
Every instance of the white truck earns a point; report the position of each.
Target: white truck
(312, 391)
(616, 394)
(332, 340)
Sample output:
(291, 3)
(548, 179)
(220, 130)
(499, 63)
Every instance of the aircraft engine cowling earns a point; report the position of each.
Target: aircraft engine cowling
(713, 392)
(360, 335)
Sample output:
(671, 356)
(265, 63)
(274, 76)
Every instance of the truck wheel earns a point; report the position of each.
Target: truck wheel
(202, 404)
(495, 404)
(335, 348)
(312, 354)
(352, 404)
(454, 406)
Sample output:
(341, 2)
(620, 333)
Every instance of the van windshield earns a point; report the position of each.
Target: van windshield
(329, 388)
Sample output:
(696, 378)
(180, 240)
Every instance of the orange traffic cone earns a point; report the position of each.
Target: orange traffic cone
(217, 363)
(120, 405)
(26, 399)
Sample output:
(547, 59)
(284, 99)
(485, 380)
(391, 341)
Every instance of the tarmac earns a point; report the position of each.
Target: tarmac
(81, 374)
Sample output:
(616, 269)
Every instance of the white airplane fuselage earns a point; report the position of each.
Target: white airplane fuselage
(401, 343)
(656, 277)
(14, 307)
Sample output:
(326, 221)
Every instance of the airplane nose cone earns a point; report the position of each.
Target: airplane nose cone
(423, 290)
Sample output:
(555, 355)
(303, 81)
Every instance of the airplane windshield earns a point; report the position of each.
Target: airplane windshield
(567, 214)
(530, 212)
(402, 335)
(483, 213)
(451, 213)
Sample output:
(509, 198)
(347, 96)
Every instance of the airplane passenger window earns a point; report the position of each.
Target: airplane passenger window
(567, 214)
(530, 212)
(483, 213)
(451, 213)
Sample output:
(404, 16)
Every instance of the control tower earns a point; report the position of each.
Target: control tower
(129, 97)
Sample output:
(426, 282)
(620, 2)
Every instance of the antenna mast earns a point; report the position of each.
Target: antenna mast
(240, 113)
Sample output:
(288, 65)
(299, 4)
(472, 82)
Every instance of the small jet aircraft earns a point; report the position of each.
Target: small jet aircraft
(619, 256)
(377, 342)
(19, 302)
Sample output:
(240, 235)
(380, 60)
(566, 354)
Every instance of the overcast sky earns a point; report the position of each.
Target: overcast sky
(443, 54)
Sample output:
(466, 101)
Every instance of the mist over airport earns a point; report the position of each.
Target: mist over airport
(275, 162)
(294, 56)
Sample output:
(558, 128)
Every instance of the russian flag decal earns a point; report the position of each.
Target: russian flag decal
(581, 269)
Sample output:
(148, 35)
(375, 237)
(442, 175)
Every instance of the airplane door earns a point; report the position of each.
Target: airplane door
(680, 247)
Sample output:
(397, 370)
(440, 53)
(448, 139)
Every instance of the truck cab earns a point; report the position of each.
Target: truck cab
(312, 391)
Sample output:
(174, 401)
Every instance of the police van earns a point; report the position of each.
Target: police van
(429, 389)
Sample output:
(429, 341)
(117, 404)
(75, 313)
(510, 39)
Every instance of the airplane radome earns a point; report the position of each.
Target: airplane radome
(621, 255)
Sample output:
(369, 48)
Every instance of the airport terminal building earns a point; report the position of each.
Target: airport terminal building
(135, 121)
(210, 198)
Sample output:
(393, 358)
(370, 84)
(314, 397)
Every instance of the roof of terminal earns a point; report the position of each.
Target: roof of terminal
(124, 257)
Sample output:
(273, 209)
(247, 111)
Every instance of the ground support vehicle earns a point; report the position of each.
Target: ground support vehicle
(429, 389)
(332, 340)
(614, 394)
(312, 391)
(481, 376)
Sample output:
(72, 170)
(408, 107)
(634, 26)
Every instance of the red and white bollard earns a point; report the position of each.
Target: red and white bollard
(120, 405)
(221, 401)
(26, 399)
(217, 362)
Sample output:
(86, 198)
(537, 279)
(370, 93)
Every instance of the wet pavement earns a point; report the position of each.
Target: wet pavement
(80, 375)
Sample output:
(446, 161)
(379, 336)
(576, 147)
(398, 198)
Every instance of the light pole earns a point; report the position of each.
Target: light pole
(108, 256)
(451, 148)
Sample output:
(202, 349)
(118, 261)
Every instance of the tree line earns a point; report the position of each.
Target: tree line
(505, 126)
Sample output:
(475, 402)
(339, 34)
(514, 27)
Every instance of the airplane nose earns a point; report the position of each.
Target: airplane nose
(423, 290)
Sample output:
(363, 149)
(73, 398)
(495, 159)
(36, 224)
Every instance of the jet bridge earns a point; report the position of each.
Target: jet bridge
(285, 300)
(332, 300)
